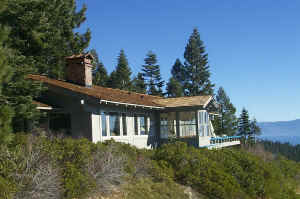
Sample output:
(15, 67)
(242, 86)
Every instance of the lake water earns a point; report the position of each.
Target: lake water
(294, 140)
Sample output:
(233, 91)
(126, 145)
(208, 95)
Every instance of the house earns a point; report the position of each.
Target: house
(82, 109)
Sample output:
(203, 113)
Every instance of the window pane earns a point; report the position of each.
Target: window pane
(202, 131)
(207, 130)
(187, 123)
(200, 118)
(114, 124)
(143, 125)
(103, 124)
(167, 125)
(124, 124)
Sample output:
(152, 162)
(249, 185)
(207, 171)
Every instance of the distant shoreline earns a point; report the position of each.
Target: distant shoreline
(293, 140)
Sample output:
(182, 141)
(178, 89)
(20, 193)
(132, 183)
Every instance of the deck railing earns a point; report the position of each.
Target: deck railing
(219, 142)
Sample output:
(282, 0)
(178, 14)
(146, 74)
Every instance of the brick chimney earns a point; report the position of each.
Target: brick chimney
(79, 69)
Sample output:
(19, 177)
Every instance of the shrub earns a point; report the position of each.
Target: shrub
(146, 188)
(72, 156)
(29, 171)
(37, 177)
(106, 167)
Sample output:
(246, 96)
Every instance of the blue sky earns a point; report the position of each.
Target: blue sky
(253, 46)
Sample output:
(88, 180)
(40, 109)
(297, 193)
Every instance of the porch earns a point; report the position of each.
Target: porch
(193, 127)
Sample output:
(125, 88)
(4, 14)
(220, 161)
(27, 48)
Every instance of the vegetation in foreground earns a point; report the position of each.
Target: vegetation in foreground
(50, 167)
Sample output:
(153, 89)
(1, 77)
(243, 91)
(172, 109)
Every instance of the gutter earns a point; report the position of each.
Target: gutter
(128, 104)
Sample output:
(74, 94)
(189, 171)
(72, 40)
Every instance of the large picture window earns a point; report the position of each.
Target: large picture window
(114, 124)
(167, 125)
(187, 123)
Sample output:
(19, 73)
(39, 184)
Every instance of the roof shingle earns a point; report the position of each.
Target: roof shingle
(102, 93)
(184, 101)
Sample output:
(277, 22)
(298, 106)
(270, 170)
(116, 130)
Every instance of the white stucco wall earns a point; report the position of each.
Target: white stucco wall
(140, 141)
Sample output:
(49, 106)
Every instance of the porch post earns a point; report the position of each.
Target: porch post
(95, 121)
(177, 125)
(197, 128)
(157, 127)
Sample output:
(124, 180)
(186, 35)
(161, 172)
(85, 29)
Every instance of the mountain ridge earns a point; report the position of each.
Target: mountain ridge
(280, 128)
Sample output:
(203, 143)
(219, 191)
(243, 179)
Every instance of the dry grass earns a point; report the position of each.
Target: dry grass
(35, 174)
(107, 169)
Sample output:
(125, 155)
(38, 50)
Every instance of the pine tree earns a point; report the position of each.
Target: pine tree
(112, 80)
(120, 78)
(254, 130)
(6, 111)
(226, 123)
(176, 82)
(151, 73)
(178, 72)
(174, 88)
(43, 32)
(244, 124)
(138, 84)
(196, 67)
(100, 76)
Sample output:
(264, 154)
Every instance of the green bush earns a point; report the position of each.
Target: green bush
(146, 188)
(77, 168)
(226, 173)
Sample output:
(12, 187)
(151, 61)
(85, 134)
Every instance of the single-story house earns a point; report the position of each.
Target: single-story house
(98, 113)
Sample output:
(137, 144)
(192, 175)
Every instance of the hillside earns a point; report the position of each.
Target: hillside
(42, 167)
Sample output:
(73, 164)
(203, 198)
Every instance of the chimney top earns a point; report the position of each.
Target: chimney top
(81, 56)
(79, 69)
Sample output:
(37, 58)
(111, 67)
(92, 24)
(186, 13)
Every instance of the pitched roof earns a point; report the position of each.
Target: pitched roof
(184, 101)
(102, 93)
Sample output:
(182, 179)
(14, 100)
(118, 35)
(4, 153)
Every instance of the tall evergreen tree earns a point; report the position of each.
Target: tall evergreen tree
(226, 123)
(43, 32)
(178, 72)
(41, 35)
(151, 73)
(120, 78)
(174, 88)
(138, 84)
(244, 124)
(112, 80)
(254, 130)
(6, 111)
(100, 76)
(196, 67)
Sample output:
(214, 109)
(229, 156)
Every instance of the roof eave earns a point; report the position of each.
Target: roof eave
(129, 104)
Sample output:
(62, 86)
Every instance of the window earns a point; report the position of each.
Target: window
(205, 117)
(201, 117)
(124, 124)
(187, 123)
(203, 131)
(60, 122)
(167, 125)
(103, 124)
(114, 124)
(143, 125)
